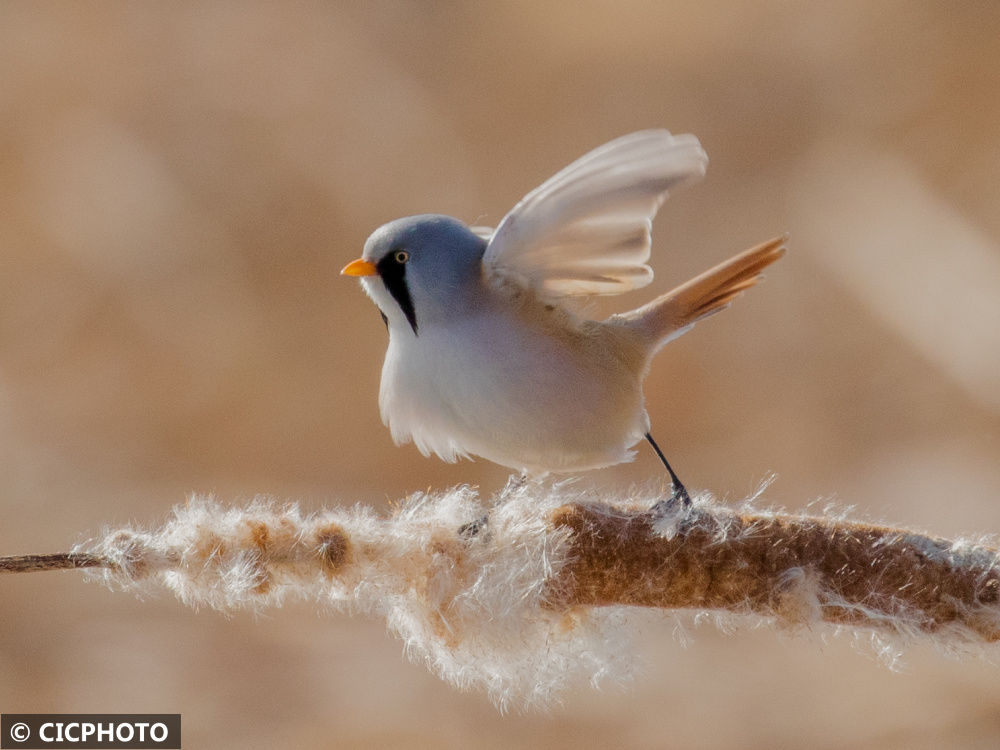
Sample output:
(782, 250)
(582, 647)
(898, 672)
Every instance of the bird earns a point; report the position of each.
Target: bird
(490, 353)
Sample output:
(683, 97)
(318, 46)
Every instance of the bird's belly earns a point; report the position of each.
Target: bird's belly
(528, 402)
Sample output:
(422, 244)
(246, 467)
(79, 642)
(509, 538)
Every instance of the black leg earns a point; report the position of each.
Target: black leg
(678, 489)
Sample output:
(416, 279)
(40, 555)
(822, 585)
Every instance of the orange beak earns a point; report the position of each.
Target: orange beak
(359, 267)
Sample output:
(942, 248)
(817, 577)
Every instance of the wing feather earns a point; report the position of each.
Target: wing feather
(586, 230)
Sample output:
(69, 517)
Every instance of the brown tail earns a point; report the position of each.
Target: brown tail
(669, 316)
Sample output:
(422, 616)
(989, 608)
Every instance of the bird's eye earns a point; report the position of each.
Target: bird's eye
(401, 256)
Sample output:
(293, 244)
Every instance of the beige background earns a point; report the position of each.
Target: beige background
(181, 184)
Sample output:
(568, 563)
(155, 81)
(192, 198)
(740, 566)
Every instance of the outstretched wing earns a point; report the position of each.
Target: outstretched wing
(587, 229)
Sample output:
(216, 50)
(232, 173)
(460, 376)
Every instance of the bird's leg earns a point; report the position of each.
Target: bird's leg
(677, 488)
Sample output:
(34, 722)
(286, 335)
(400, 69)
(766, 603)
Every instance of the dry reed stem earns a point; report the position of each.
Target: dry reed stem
(55, 561)
(525, 602)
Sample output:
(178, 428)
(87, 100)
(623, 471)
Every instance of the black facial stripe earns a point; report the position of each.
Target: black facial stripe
(393, 275)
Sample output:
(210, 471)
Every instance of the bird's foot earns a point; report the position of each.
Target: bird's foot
(516, 483)
(472, 529)
(668, 506)
(671, 515)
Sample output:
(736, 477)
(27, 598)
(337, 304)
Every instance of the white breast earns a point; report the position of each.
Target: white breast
(525, 394)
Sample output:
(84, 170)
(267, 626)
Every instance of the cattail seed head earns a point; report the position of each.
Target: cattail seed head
(539, 590)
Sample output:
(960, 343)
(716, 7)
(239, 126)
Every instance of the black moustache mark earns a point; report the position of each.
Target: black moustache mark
(393, 275)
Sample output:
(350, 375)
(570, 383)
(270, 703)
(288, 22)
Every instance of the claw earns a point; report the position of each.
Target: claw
(471, 530)
(668, 507)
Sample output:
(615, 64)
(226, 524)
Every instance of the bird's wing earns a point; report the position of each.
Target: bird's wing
(586, 230)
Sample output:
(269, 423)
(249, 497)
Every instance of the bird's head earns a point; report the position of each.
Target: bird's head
(419, 269)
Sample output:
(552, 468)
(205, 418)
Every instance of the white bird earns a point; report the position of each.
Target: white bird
(485, 358)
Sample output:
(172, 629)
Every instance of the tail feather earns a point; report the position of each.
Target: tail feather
(675, 312)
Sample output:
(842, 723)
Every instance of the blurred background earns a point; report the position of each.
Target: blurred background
(182, 183)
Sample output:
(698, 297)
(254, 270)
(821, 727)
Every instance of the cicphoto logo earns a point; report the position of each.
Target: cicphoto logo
(84, 731)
